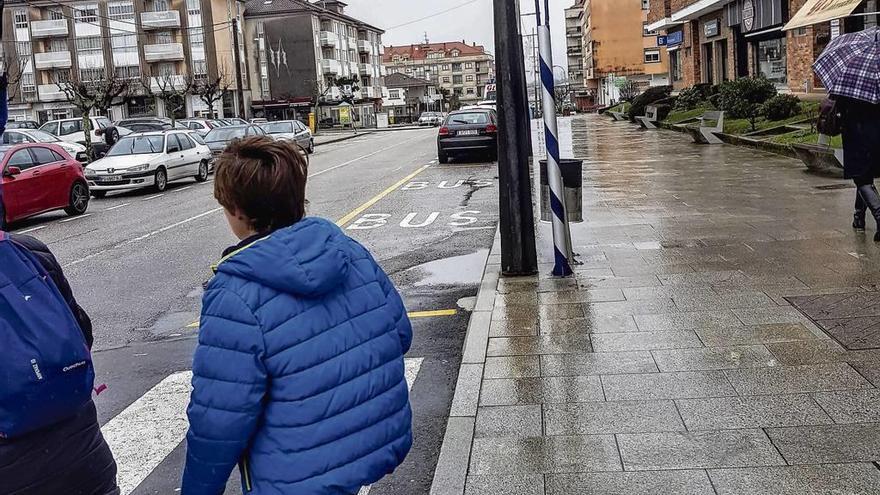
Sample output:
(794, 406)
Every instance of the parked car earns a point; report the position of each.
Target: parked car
(220, 137)
(237, 121)
(19, 136)
(468, 131)
(71, 130)
(22, 124)
(149, 159)
(147, 124)
(430, 118)
(259, 121)
(292, 130)
(41, 177)
(202, 126)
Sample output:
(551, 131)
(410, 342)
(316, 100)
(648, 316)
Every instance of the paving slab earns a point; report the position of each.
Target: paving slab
(713, 358)
(513, 328)
(562, 454)
(582, 296)
(592, 324)
(505, 484)
(757, 334)
(512, 367)
(590, 418)
(691, 482)
(796, 379)
(641, 307)
(828, 444)
(658, 386)
(598, 363)
(543, 344)
(696, 450)
(798, 480)
(516, 391)
(818, 351)
(645, 341)
(851, 406)
(728, 413)
(509, 421)
(686, 321)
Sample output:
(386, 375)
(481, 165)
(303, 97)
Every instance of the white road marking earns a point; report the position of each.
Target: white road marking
(361, 158)
(72, 219)
(153, 197)
(182, 189)
(141, 238)
(148, 430)
(32, 229)
(123, 205)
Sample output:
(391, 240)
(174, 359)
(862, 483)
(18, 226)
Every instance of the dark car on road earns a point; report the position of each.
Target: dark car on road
(468, 131)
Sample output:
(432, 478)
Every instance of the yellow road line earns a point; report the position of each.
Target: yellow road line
(360, 209)
(431, 314)
(194, 324)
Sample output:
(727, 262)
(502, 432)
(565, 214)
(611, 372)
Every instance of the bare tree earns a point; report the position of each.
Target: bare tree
(95, 96)
(322, 88)
(628, 90)
(172, 89)
(212, 89)
(14, 67)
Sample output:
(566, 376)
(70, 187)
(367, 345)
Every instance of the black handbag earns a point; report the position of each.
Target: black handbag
(830, 118)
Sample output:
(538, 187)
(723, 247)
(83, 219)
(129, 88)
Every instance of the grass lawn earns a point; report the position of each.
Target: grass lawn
(806, 137)
(620, 107)
(680, 116)
(809, 109)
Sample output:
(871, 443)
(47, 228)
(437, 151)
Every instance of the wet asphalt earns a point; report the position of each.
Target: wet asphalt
(137, 263)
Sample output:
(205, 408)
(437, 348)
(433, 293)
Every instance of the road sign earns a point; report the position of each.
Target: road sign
(661, 40)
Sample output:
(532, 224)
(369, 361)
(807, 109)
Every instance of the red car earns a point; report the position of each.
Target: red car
(41, 177)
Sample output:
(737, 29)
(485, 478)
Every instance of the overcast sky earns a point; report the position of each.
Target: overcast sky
(472, 21)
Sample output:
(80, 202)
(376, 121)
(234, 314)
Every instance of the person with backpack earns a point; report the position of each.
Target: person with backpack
(298, 376)
(50, 438)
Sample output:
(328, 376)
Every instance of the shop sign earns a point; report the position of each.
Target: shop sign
(712, 28)
(345, 115)
(819, 11)
(748, 15)
(675, 38)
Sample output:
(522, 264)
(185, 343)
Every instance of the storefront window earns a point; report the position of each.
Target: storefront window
(771, 60)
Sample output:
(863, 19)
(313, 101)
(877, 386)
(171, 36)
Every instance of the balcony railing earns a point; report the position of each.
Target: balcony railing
(330, 66)
(368, 92)
(353, 68)
(49, 29)
(50, 92)
(167, 83)
(382, 71)
(160, 20)
(364, 46)
(52, 60)
(329, 39)
(365, 69)
(163, 52)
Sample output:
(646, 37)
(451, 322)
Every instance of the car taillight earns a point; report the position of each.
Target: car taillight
(444, 131)
(491, 129)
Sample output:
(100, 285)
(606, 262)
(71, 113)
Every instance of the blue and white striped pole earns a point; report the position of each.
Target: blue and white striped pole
(561, 232)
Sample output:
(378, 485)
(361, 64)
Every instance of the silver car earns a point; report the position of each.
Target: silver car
(291, 130)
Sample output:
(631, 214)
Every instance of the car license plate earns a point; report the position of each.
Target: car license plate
(468, 133)
(109, 178)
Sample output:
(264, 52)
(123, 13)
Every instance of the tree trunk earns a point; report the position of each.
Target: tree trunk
(87, 131)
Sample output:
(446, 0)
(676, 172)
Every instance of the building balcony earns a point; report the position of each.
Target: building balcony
(167, 83)
(330, 66)
(52, 60)
(332, 94)
(160, 20)
(369, 92)
(163, 52)
(53, 28)
(364, 46)
(381, 49)
(382, 71)
(50, 92)
(329, 39)
(365, 69)
(353, 68)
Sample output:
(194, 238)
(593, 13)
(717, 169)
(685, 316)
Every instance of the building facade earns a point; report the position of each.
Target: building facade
(618, 47)
(306, 55)
(712, 41)
(409, 96)
(574, 40)
(154, 44)
(461, 70)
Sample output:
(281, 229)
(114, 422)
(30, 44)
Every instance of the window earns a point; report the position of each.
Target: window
(646, 32)
(456, 67)
(160, 5)
(28, 84)
(21, 19)
(185, 143)
(43, 156)
(55, 14)
(12, 137)
(469, 78)
(445, 67)
(121, 11)
(91, 74)
(58, 45)
(446, 79)
(456, 80)
(86, 14)
(133, 72)
(652, 56)
(435, 55)
(60, 76)
(675, 65)
(164, 37)
(469, 65)
(200, 69)
(455, 53)
(194, 7)
(646, 4)
(801, 31)
(471, 91)
(173, 144)
(89, 45)
(24, 48)
(21, 159)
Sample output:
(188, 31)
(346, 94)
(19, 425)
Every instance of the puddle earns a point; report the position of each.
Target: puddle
(466, 269)
(172, 323)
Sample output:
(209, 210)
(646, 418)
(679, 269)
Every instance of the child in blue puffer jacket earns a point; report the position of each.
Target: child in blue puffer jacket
(299, 373)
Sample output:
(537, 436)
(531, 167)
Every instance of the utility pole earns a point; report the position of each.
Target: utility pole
(237, 59)
(517, 225)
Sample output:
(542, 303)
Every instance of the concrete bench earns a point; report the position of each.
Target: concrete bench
(704, 134)
(618, 116)
(821, 158)
(649, 120)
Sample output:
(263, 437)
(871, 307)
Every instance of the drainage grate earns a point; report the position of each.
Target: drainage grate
(852, 319)
(834, 187)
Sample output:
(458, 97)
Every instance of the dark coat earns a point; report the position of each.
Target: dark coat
(861, 138)
(70, 457)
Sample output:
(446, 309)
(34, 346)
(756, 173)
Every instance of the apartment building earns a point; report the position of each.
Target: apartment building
(711, 41)
(300, 53)
(618, 47)
(409, 96)
(574, 41)
(460, 69)
(153, 43)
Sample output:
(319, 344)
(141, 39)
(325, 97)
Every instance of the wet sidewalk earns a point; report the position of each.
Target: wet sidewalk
(721, 336)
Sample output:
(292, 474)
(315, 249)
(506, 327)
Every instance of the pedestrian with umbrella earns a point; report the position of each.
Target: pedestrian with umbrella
(850, 70)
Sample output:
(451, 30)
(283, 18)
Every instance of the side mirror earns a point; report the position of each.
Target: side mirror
(11, 171)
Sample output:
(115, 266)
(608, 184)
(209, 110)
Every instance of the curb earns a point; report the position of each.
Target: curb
(450, 475)
(343, 138)
(775, 148)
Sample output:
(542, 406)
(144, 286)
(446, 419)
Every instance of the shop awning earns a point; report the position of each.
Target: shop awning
(817, 11)
(664, 23)
(698, 9)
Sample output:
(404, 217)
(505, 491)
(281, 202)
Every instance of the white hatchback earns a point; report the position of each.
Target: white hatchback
(149, 159)
(71, 130)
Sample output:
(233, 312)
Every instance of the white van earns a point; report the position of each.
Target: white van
(71, 130)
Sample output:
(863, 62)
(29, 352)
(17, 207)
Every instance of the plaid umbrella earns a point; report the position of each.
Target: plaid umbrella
(850, 66)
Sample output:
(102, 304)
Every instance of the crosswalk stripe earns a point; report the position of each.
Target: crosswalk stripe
(148, 430)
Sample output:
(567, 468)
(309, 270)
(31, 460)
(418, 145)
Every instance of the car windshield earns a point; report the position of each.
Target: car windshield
(469, 118)
(138, 145)
(43, 136)
(224, 134)
(278, 127)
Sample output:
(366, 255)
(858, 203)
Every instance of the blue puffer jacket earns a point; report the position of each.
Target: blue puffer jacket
(299, 371)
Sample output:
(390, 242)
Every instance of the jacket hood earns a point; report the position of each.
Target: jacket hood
(307, 259)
